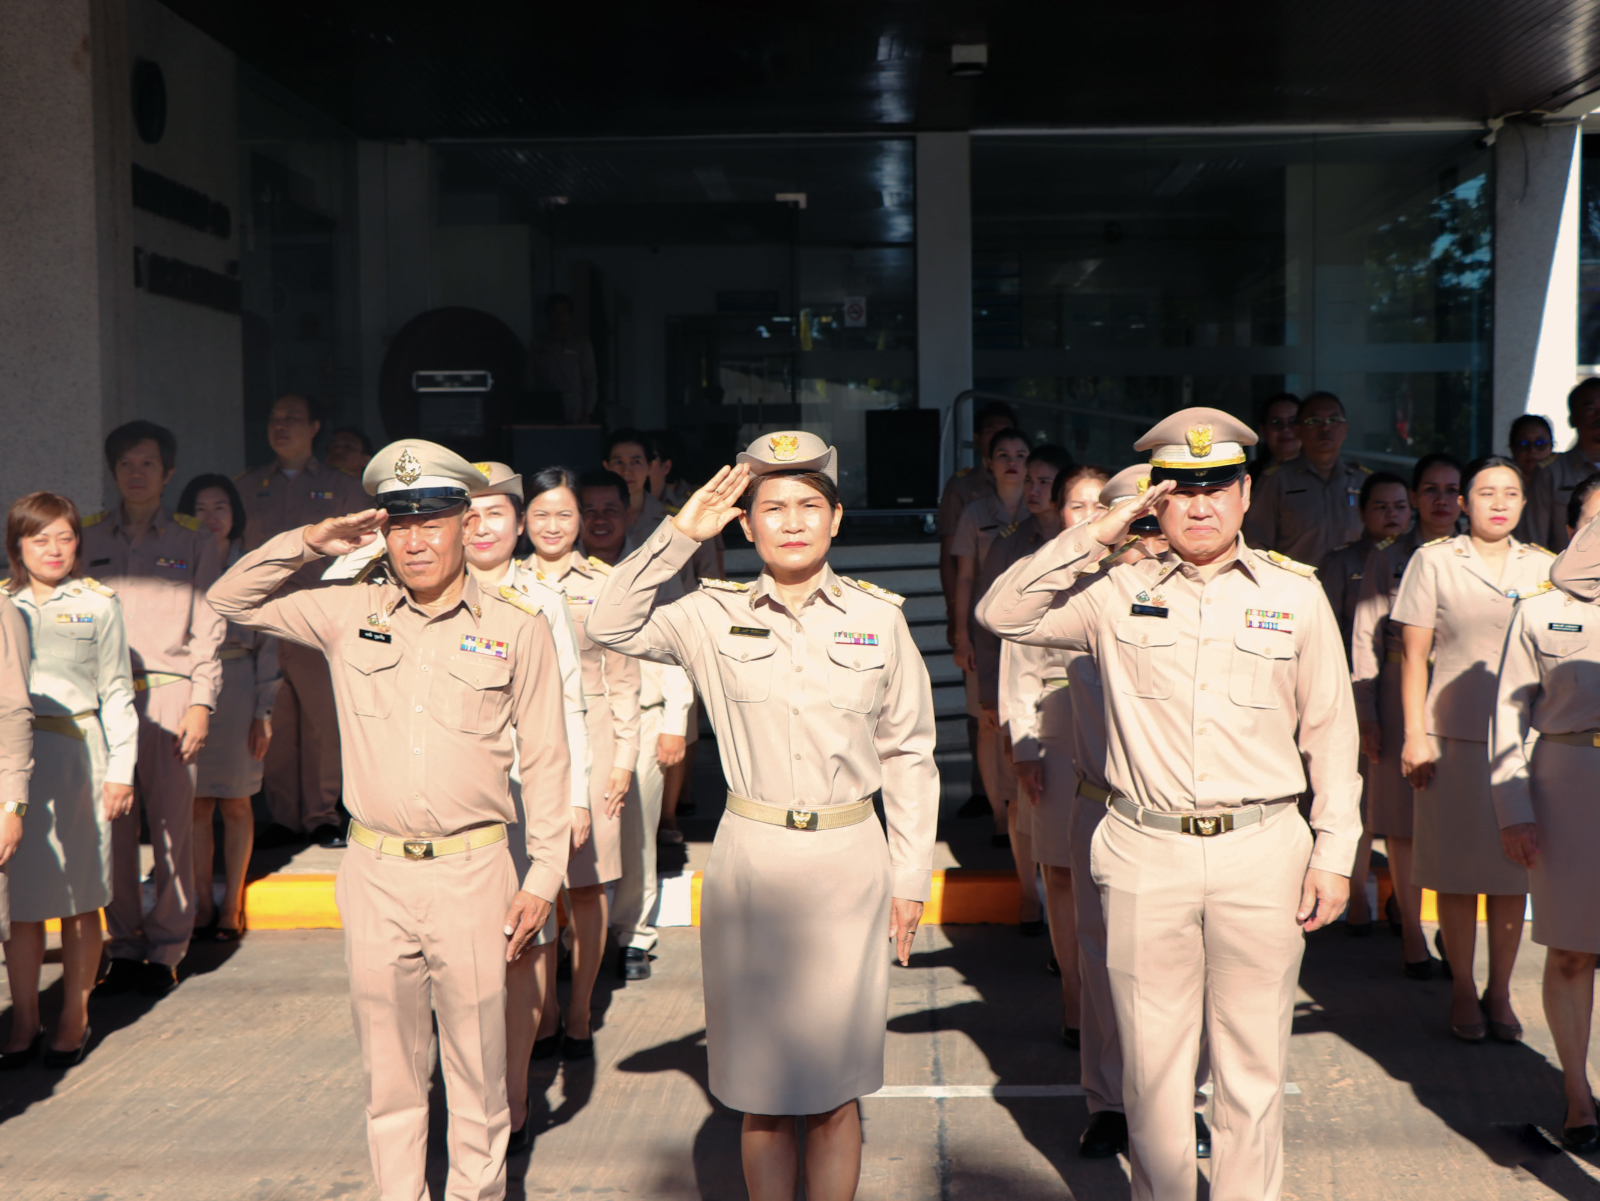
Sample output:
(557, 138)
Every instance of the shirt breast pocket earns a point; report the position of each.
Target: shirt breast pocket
(1253, 677)
(745, 667)
(479, 693)
(74, 642)
(374, 670)
(1556, 645)
(1147, 655)
(853, 675)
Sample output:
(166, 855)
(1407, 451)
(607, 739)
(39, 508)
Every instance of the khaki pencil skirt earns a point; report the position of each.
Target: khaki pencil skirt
(598, 860)
(1388, 798)
(1564, 880)
(1457, 835)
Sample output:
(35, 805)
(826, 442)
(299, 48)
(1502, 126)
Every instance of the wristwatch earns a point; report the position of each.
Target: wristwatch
(20, 808)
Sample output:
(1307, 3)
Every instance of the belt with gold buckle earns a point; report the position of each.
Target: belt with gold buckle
(1580, 738)
(831, 818)
(1201, 825)
(417, 849)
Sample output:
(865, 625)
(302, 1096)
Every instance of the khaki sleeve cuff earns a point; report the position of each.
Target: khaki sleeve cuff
(1025, 749)
(911, 884)
(542, 883)
(1513, 804)
(626, 758)
(1333, 854)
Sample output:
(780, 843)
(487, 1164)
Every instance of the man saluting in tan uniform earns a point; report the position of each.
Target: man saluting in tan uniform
(1224, 676)
(431, 676)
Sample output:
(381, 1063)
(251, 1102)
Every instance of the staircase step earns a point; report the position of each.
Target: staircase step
(930, 638)
(942, 669)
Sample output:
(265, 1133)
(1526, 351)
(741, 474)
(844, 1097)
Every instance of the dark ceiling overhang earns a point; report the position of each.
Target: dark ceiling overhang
(532, 69)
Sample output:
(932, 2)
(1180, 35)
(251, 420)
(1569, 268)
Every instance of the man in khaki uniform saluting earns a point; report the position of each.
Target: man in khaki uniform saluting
(433, 678)
(301, 771)
(1224, 678)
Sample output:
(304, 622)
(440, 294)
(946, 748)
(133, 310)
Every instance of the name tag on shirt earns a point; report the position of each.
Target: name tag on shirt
(173, 564)
(1269, 619)
(483, 646)
(846, 638)
(320, 495)
(78, 619)
(376, 636)
(99, 562)
(1293, 491)
(262, 495)
(1148, 610)
(1560, 627)
(749, 631)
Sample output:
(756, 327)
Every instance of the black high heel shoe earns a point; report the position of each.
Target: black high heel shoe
(51, 1058)
(11, 1061)
(1581, 1139)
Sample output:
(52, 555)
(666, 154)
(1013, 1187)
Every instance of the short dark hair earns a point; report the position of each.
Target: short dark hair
(314, 408)
(1275, 398)
(1048, 452)
(1574, 396)
(1478, 466)
(548, 479)
(125, 437)
(366, 442)
(1010, 434)
(1069, 477)
(993, 410)
(27, 516)
(1575, 501)
(599, 477)
(620, 437)
(820, 480)
(191, 494)
(1311, 396)
(1375, 480)
(1421, 466)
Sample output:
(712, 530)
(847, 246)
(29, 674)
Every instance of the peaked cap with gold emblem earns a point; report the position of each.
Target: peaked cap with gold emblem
(1200, 446)
(499, 479)
(1126, 484)
(791, 450)
(413, 476)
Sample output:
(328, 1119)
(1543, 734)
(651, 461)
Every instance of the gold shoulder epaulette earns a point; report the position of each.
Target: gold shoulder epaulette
(1546, 549)
(1343, 546)
(963, 472)
(186, 521)
(241, 475)
(600, 565)
(375, 572)
(1288, 564)
(673, 509)
(521, 600)
(1363, 468)
(1386, 543)
(95, 518)
(894, 598)
(1441, 541)
(1271, 468)
(724, 585)
(95, 585)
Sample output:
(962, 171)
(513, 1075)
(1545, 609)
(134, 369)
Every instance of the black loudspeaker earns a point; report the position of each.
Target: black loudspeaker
(902, 458)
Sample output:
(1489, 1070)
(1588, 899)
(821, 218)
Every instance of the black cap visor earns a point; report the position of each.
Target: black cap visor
(1198, 477)
(1146, 525)
(411, 501)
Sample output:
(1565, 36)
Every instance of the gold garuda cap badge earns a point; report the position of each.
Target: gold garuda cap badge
(1199, 439)
(406, 468)
(784, 447)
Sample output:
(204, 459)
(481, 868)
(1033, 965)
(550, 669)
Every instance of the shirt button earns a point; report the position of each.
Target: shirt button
(419, 708)
(1202, 687)
(425, 667)
(797, 757)
(1202, 776)
(1208, 600)
(796, 712)
(799, 667)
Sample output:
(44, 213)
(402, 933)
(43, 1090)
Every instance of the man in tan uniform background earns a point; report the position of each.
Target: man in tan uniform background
(1310, 504)
(1545, 522)
(433, 678)
(160, 565)
(301, 774)
(16, 742)
(1225, 680)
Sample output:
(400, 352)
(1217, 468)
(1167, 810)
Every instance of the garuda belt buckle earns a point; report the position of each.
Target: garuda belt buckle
(418, 850)
(801, 819)
(1205, 827)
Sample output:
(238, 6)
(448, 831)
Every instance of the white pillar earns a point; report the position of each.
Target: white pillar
(1535, 275)
(944, 274)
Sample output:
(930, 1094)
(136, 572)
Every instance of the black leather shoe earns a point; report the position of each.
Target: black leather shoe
(123, 976)
(1422, 969)
(1444, 960)
(1104, 1136)
(329, 836)
(51, 1058)
(1202, 1138)
(545, 1048)
(1071, 1037)
(975, 806)
(1581, 1139)
(577, 1048)
(156, 979)
(11, 1061)
(1033, 929)
(633, 964)
(1053, 966)
(519, 1140)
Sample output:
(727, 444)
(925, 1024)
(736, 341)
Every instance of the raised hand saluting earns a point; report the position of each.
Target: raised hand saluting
(341, 535)
(710, 509)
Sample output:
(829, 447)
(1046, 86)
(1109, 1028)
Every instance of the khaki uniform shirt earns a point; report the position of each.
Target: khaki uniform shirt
(274, 503)
(1545, 520)
(1217, 692)
(16, 710)
(80, 665)
(1549, 682)
(1374, 639)
(609, 678)
(160, 578)
(1297, 513)
(1576, 570)
(812, 709)
(1450, 590)
(707, 561)
(1024, 540)
(1340, 572)
(552, 606)
(960, 490)
(427, 702)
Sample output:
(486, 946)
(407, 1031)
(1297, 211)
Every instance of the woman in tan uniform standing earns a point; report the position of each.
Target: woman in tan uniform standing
(1550, 683)
(819, 699)
(1456, 600)
(611, 691)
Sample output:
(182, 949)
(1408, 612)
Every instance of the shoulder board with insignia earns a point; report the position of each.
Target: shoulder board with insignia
(724, 585)
(95, 585)
(1288, 564)
(1363, 469)
(512, 597)
(1441, 541)
(1343, 546)
(963, 472)
(600, 565)
(894, 598)
(5, 584)
(673, 509)
(186, 521)
(1272, 468)
(1546, 550)
(375, 572)
(241, 475)
(1386, 543)
(95, 518)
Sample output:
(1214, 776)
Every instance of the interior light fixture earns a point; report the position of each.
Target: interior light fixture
(969, 59)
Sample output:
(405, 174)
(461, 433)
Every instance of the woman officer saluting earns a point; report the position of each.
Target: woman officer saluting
(819, 698)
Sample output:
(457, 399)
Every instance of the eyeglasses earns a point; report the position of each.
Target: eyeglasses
(1531, 444)
(1312, 423)
(1280, 423)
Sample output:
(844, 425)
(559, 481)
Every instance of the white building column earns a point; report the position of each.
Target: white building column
(944, 276)
(1535, 275)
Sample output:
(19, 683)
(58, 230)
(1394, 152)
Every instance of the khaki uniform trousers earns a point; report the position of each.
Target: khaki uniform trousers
(421, 936)
(303, 776)
(1100, 1053)
(165, 790)
(1203, 929)
(635, 897)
